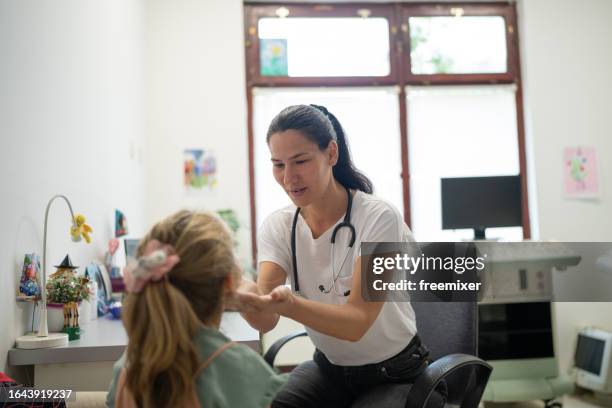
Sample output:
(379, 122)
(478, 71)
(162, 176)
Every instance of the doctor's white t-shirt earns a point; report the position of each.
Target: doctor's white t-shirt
(375, 220)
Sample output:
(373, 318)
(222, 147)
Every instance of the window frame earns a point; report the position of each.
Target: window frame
(470, 10)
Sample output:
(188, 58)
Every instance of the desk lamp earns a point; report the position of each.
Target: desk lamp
(43, 338)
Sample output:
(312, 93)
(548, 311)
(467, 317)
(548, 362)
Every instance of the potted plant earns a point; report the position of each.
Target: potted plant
(230, 217)
(65, 291)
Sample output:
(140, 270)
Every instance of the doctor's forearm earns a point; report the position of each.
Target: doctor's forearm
(345, 322)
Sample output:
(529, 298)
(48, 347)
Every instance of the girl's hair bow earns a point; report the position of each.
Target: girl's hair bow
(155, 263)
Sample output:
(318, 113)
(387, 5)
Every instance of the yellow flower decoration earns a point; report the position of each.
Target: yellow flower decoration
(80, 229)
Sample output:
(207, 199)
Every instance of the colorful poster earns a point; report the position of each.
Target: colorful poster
(273, 57)
(200, 169)
(581, 177)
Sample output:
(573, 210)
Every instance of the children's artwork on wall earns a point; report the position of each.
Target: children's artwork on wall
(580, 172)
(121, 227)
(200, 170)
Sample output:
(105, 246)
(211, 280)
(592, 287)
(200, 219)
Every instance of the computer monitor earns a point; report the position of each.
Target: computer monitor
(504, 333)
(481, 202)
(593, 360)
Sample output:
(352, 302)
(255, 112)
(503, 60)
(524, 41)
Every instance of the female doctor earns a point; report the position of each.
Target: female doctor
(315, 243)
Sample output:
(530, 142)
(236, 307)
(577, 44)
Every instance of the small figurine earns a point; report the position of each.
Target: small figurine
(28, 284)
(80, 229)
(71, 315)
(64, 268)
(66, 287)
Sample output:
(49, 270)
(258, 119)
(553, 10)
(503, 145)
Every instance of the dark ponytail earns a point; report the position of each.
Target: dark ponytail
(321, 127)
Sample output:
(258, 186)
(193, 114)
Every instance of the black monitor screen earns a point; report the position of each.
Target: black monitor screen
(508, 331)
(589, 353)
(481, 202)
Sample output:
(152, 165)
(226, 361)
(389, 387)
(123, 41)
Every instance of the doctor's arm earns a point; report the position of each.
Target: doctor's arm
(349, 321)
(270, 275)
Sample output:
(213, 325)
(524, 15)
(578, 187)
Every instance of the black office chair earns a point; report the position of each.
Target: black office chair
(450, 331)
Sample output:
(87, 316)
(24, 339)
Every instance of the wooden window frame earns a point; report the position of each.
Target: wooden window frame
(427, 10)
(400, 74)
(253, 12)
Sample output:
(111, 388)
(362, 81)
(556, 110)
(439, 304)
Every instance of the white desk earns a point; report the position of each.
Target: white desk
(86, 364)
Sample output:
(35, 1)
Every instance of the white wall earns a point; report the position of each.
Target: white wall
(71, 123)
(196, 98)
(566, 58)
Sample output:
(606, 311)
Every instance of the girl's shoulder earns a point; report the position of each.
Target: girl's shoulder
(112, 391)
(210, 340)
(238, 376)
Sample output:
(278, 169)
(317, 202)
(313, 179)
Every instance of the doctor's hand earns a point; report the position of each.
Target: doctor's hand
(280, 300)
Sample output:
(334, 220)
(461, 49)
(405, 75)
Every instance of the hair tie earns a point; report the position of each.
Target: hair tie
(158, 259)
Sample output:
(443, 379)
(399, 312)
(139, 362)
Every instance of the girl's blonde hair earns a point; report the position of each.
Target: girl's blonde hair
(162, 320)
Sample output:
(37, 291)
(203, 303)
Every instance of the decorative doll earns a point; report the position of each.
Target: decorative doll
(68, 288)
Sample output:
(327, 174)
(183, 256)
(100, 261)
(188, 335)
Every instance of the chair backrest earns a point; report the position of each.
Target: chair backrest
(444, 325)
(448, 327)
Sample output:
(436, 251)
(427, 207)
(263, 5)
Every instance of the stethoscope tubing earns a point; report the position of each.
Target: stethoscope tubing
(346, 222)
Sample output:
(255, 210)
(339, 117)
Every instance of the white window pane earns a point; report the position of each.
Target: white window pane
(459, 131)
(331, 47)
(464, 45)
(370, 118)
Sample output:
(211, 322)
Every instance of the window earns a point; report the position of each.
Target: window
(451, 45)
(430, 90)
(324, 47)
(458, 131)
(370, 119)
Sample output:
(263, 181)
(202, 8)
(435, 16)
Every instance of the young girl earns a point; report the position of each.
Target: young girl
(176, 356)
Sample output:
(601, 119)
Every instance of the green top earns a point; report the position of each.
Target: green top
(238, 377)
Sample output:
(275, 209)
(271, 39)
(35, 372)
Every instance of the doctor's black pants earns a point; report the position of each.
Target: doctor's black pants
(321, 384)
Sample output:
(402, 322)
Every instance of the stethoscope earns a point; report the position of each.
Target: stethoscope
(345, 223)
